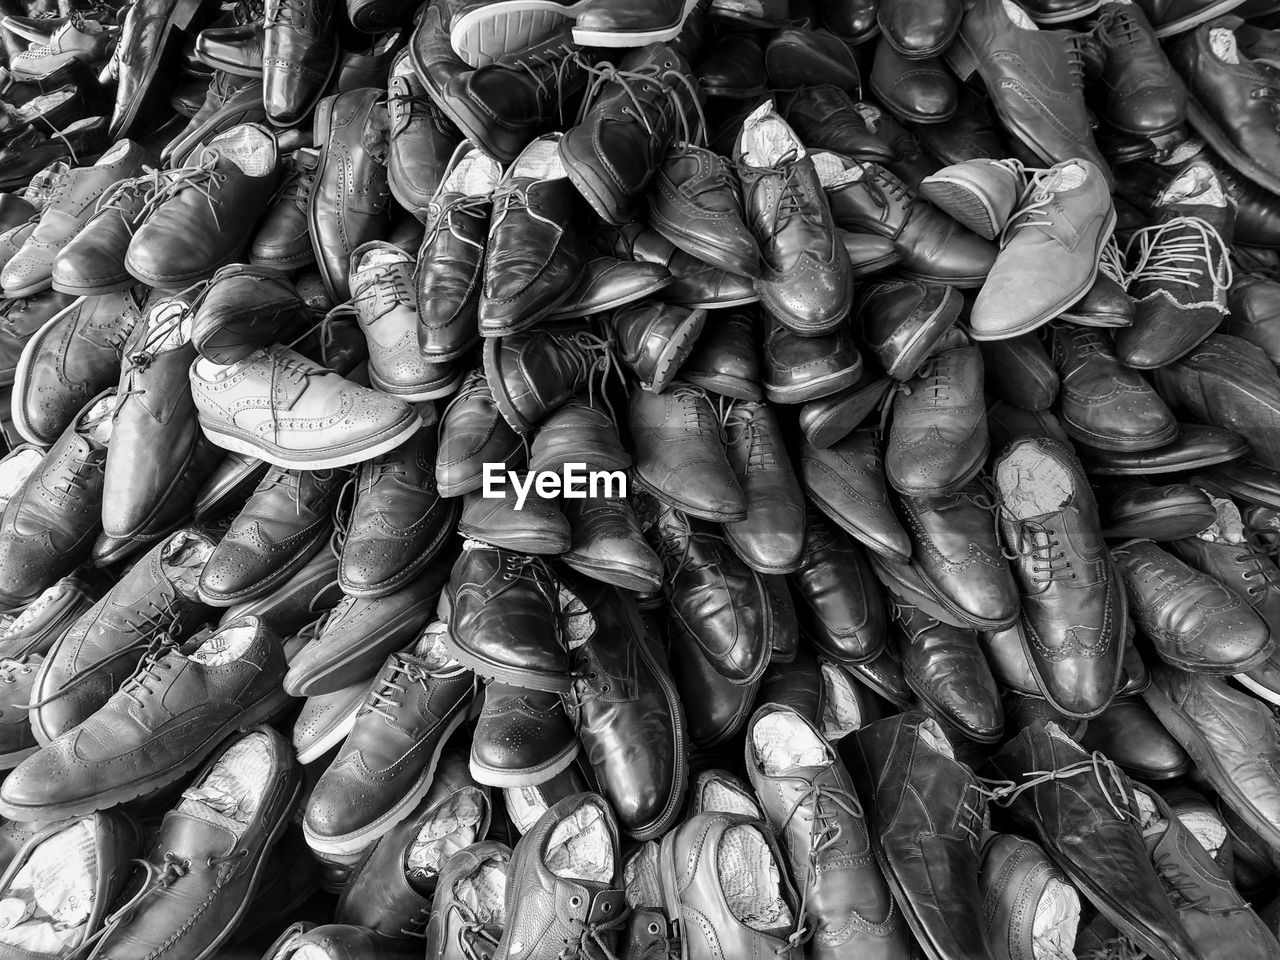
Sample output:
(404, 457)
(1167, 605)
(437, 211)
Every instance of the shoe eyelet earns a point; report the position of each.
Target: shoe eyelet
(604, 688)
(654, 929)
(606, 906)
(575, 901)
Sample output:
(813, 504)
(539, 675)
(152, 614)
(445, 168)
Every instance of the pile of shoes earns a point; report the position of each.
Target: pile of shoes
(625, 480)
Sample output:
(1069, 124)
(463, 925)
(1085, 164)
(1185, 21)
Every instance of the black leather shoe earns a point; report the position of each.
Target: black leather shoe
(299, 55)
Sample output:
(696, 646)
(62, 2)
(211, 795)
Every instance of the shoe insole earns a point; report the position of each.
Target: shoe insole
(782, 741)
(248, 148)
(235, 785)
(841, 708)
(580, 847)
(224, 646)
(183, 558)
(475, 175)
(539, 161)
(15, 470)
(45, 905)
(721, 796)
(640, 878)
(1032, 483)
(97, 422)
(1198, 185)
(484, 892)
(454, 823)
(750, 879)
(766, 140)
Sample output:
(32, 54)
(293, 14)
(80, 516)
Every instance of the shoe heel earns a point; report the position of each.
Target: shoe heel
(961, 59)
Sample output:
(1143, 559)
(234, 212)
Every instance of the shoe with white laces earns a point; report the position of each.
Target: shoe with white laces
(278, 405)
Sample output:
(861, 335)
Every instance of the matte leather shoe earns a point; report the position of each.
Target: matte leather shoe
(1145, 97)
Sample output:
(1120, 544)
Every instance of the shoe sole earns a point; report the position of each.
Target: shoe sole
(614, 574)
(300, 461)
(1197, 18)
(1063, 304)
(1139, 525)
(1106, 470)
(512, 676)
(415, 395)
(690, 509)
(943, 599)
(701, 249)
(31, 290)
(358, 840)
(560, 313)
(963, 204)
(816, 389)
(333, 736)
(677, 349)
(1134, 445)
(527, 776)
(633, 38)
(858, 534)
(274, 578)
(1265, 693)
(489, 33)
(22, 374)
(929, 328)
(182, 281)
(258, 713)
(93, 290)
(742, 301)
(1067, 16)
(544, 547)
(1101, 321)
(235, 69)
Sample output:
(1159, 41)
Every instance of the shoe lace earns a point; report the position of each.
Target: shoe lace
(388, 693)
(790, 200)
(295, 13)
(739, 426)
(985, 497)
(1180, 251)
(824, 805)
(201, 177)
(1112, 263)
(1259, 557)
(472, 932)
(550, 70)
(1031, 210)
(1117, 948)
(933, 380)
(127, 192)
(1118, 27)
(585, 938)
(1111, 781)
(1036, 540)
(674, 546)
(1076, 59)
(297, 186)
(80, 472)
(675, 92)
(380, 290)
(516, 566)
(140, 360)
(291, 482)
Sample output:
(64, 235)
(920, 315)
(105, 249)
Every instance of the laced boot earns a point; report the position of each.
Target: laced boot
(1180, 271)
(771, 539)
(533, 373)
(680, 454)
(632, 113)
(1072, 604)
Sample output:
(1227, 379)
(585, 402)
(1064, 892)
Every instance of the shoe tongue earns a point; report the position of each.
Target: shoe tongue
(1019, 16)
(183, 558)
(1229, 525)
(1032, 484)
(1198, 185)
(96, 423)
(475, 175)
(247, 147)
(454, 823)
(784, 743)
(767, 140)
(1223, 44)
(539, 161)
(224, 646)
(832, 171)
(235, 786)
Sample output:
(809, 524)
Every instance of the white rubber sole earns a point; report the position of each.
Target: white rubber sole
(331, 738)
(237, 444)
(488, 33)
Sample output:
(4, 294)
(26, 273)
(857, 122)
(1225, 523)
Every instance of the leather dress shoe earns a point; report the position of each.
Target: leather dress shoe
(1072, 606)
(1196, 446)
(1103, 404)
(903, 321)
(925, 821)
(935, 247)
(915, 90)
(771, 538)
(680, 454)
(535, 251)
(1238, 561)
(1194, 226)
(535, 526)
(68, 361)
(956, 551)
(283, 236)
(1228, 382)
(1085, 822)
(288, 519)
(92, 264)
(503, 619)
(243, 309)
(981, 193)
(472, 433)
(1243, 481)
(579, 432)
(1107, 303)
(919, 31)
(1253, 307)
(721, 602)
(400, 520)
(653, 340)
(1160, 513)
(1032, 79)
(792, 767)
(826, 118)
(1193, 621)
(716, 708)
(420, 141)
(145, 53)
(806, 284)
(1145, 97)
(799, 368)
(1020, 372)
(725, 359)
(1083, 218)
(846, 482)
(694, 284)
(348, 205)
(236, 49)
(733, 67)
(634, 736)
(228, 102)
(839, 606)
(299, 55)
(1031, 906)
(606, 283)
(203, 217)
(609, 545)
(938, 438)
(696, 203)
(1229, 76)
(828, 420)
(794, 687)
(522, 737)
(801, 54)
(868, 254)
(1131, 735)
